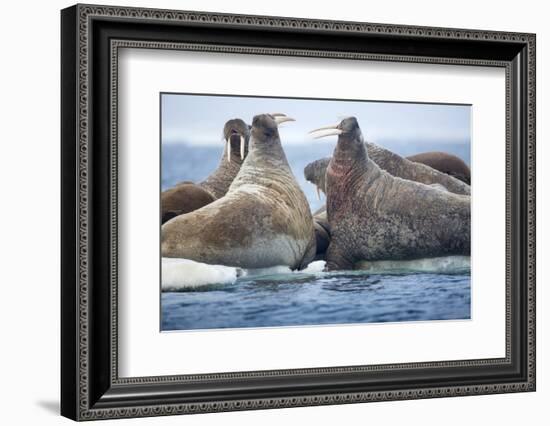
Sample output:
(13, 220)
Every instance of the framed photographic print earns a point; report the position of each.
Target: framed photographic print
(263, 212)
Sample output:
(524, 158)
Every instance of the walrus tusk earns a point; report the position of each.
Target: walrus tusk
(229, 150)
(242, 147)
(322, 132)
(280, 119)
(318, 193)
(330, 126)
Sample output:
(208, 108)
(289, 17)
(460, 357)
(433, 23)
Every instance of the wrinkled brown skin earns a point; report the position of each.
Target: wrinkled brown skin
(376, 216)
(395, 165)
(315, 172)
(264, 219)
(445, 163)
(322, 227)
(186, 197)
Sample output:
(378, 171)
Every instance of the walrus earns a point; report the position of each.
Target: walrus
(264, 219)
(374, 215)
(445, 163)
(396, 165)
(187, 196)
(237, 135)
(183, 198)
(315, 172)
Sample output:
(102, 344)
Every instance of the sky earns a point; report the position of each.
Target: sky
(199, 119)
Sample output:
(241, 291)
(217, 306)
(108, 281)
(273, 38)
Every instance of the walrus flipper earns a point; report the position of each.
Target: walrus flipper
(337, 260)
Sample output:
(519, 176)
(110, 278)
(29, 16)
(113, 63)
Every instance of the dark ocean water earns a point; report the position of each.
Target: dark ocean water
(292, 299)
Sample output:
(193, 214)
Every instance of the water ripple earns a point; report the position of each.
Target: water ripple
(320, 298)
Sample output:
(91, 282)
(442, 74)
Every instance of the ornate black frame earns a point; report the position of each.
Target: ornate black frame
(91, 37)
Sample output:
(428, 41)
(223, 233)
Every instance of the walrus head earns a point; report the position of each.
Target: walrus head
(315, 172)
(351, 145)
(266, 126)
(236, 134)
(265, 130)
(350, 157)
(348, 127)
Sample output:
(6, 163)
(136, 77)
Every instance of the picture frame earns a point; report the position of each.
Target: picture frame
(90, 385)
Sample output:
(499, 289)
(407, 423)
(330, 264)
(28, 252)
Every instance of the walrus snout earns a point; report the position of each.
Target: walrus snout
(236, 134)
(236, 126)
(349, 125)
(315, 172)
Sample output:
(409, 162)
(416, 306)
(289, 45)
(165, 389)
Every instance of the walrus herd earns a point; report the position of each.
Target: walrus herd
(251, 212)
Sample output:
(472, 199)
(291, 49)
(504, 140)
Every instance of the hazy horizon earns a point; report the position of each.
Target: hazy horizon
(199, 119)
